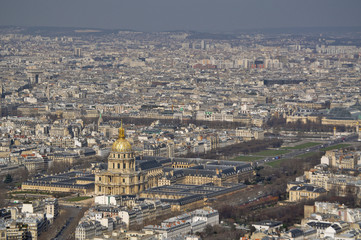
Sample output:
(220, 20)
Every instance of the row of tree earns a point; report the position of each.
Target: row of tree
(279, 123)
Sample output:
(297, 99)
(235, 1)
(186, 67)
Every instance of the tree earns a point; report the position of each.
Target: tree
(208, 230)
(22, 174)
(2, 194)
(8, 178)
(58, 167)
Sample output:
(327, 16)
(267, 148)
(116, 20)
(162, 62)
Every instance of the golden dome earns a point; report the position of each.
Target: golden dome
(121, 144)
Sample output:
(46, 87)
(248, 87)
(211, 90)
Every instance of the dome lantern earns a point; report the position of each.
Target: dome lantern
(121, 145)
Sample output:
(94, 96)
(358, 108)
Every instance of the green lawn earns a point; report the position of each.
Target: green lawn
(271, 153)
(246, 158)
(338, 146)
(276, 163)
(304, 145)
(77, 199)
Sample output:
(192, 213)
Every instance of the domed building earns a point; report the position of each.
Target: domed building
(123, 176)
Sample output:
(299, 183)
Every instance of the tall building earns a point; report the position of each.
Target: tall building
(203, 45)
(170, 150)
(122, 177)
(48, 92)
(1, 91)
(77, 52)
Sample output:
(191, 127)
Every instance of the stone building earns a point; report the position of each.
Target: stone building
(305, 192)
(249, 134)
(123, 176)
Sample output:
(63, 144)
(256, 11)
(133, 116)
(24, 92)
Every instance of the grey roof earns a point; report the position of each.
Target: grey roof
(268, 223)
(145, 165)
(308, 188)
(319, 225)
(295, 232)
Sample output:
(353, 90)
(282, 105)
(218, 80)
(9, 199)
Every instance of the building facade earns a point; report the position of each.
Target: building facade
(122, 177)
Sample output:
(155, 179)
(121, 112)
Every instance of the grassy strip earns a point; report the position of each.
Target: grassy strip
(305, 145)
(271, 153)
(277, 163)
(246, 158)
(77, 199)
(30, 192)
(305, 155)
(338, 146)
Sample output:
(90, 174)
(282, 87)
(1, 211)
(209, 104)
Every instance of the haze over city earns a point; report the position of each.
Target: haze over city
(167, 15)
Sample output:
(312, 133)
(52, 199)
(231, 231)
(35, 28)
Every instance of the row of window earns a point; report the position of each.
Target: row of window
(123, 179)
(117, 155)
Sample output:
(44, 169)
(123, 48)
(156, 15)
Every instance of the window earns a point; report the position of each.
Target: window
(100, 188)
(118, 165)
(100, 178)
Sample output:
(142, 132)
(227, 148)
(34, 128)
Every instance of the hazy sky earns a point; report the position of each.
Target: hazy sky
(201, 15)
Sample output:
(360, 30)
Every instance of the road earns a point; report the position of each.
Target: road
(64, 225)
(69, 231)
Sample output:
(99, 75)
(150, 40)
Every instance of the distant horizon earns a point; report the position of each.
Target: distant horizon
(236, 31)
(185, 15)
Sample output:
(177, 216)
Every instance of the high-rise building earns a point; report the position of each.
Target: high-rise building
(1, 91)
(77, 52)
(170, 150)
(203, 45)
(48, 92)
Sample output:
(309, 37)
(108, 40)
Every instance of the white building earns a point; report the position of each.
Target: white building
(106, 200)
(184, 224)
(51, 208)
